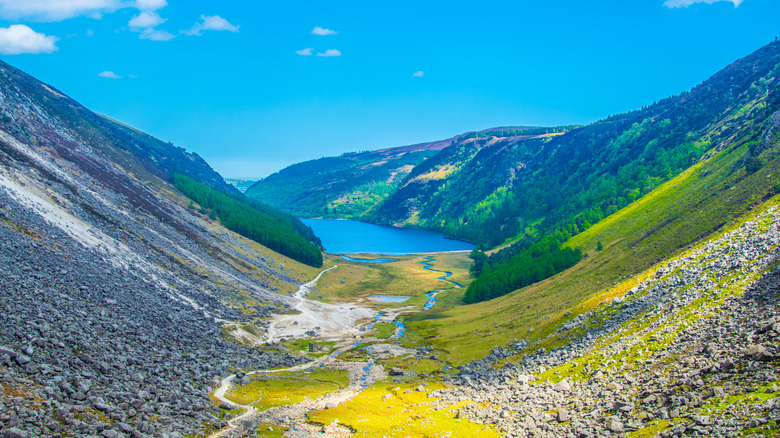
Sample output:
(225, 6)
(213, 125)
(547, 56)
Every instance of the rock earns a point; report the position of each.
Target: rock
(420, 389)
(387, 397)
(15, 433)
(100, 406)
(623, 406)
(227, 406)
(614, 425)
(8, 351)
(315, 347)
(563, 415)
(613, 386)
(395, 371)
(562, 386)
(330, 405)
(758, 352)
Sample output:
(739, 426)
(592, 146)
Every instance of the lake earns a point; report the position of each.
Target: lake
(353, 237)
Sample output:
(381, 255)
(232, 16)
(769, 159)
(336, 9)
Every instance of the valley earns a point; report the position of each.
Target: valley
(614, 279)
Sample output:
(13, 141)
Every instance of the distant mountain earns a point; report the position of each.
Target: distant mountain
(349, 185)
(240, 184)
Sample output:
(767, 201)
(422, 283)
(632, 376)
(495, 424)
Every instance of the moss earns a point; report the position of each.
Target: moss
(371, 414)
(269, 390)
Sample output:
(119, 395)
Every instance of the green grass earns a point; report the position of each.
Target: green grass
(269, 430)
(404, 277)
(267, 391)
(302, 345)
(383, 330)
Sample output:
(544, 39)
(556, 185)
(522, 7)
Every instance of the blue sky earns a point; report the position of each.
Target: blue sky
(245, 85)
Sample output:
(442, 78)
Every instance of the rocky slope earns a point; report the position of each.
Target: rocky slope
(117, 301)
(691, 350)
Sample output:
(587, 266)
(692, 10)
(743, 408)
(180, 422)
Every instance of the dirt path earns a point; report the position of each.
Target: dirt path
(327, 321)
(341, 322)
(361, 375)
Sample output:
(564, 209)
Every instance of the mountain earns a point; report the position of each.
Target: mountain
(344, 186)
(349, 185)
(575, 179)
(123, 301)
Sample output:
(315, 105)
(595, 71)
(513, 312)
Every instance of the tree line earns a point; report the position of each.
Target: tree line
(265, 225)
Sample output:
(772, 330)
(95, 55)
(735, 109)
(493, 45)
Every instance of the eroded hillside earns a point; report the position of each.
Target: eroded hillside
(122, 304)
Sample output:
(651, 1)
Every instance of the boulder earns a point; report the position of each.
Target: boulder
(758, 352)
(395, 371)
(614, 425)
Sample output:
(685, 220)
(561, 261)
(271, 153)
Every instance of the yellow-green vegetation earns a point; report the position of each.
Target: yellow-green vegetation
(413, 364)
(371, 414)
(456, 262)
(651, 430)
(383, 330)
(355, 281)
(268, 390)
(269, 430)
(658, 226)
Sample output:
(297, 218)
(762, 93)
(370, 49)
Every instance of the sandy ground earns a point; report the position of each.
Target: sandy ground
(328, 321)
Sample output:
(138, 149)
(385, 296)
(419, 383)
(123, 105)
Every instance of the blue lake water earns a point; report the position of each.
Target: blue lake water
(389, 298)
(353, 237)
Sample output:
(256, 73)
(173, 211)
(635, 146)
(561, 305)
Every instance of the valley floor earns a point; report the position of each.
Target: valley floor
(689, 350)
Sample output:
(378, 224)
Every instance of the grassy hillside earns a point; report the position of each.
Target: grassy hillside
(344, 186)
(488, 190)
(667, 221)
(350, 185)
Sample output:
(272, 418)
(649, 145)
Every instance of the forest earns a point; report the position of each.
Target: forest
(274, 229)
(518, 266)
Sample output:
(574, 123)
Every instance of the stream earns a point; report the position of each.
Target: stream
(361, 375)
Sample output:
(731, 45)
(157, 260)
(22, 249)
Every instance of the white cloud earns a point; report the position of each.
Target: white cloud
(90, 32)
(18, 39)
(156, 35)
(304, 52)
(150, 5)
(145, 20)
(418, 74)
(321, 31)
(56, 10)
(213, 22)
(686, 3)
(330, 53)
(109, 75)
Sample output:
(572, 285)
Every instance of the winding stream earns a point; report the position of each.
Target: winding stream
(361, 375)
